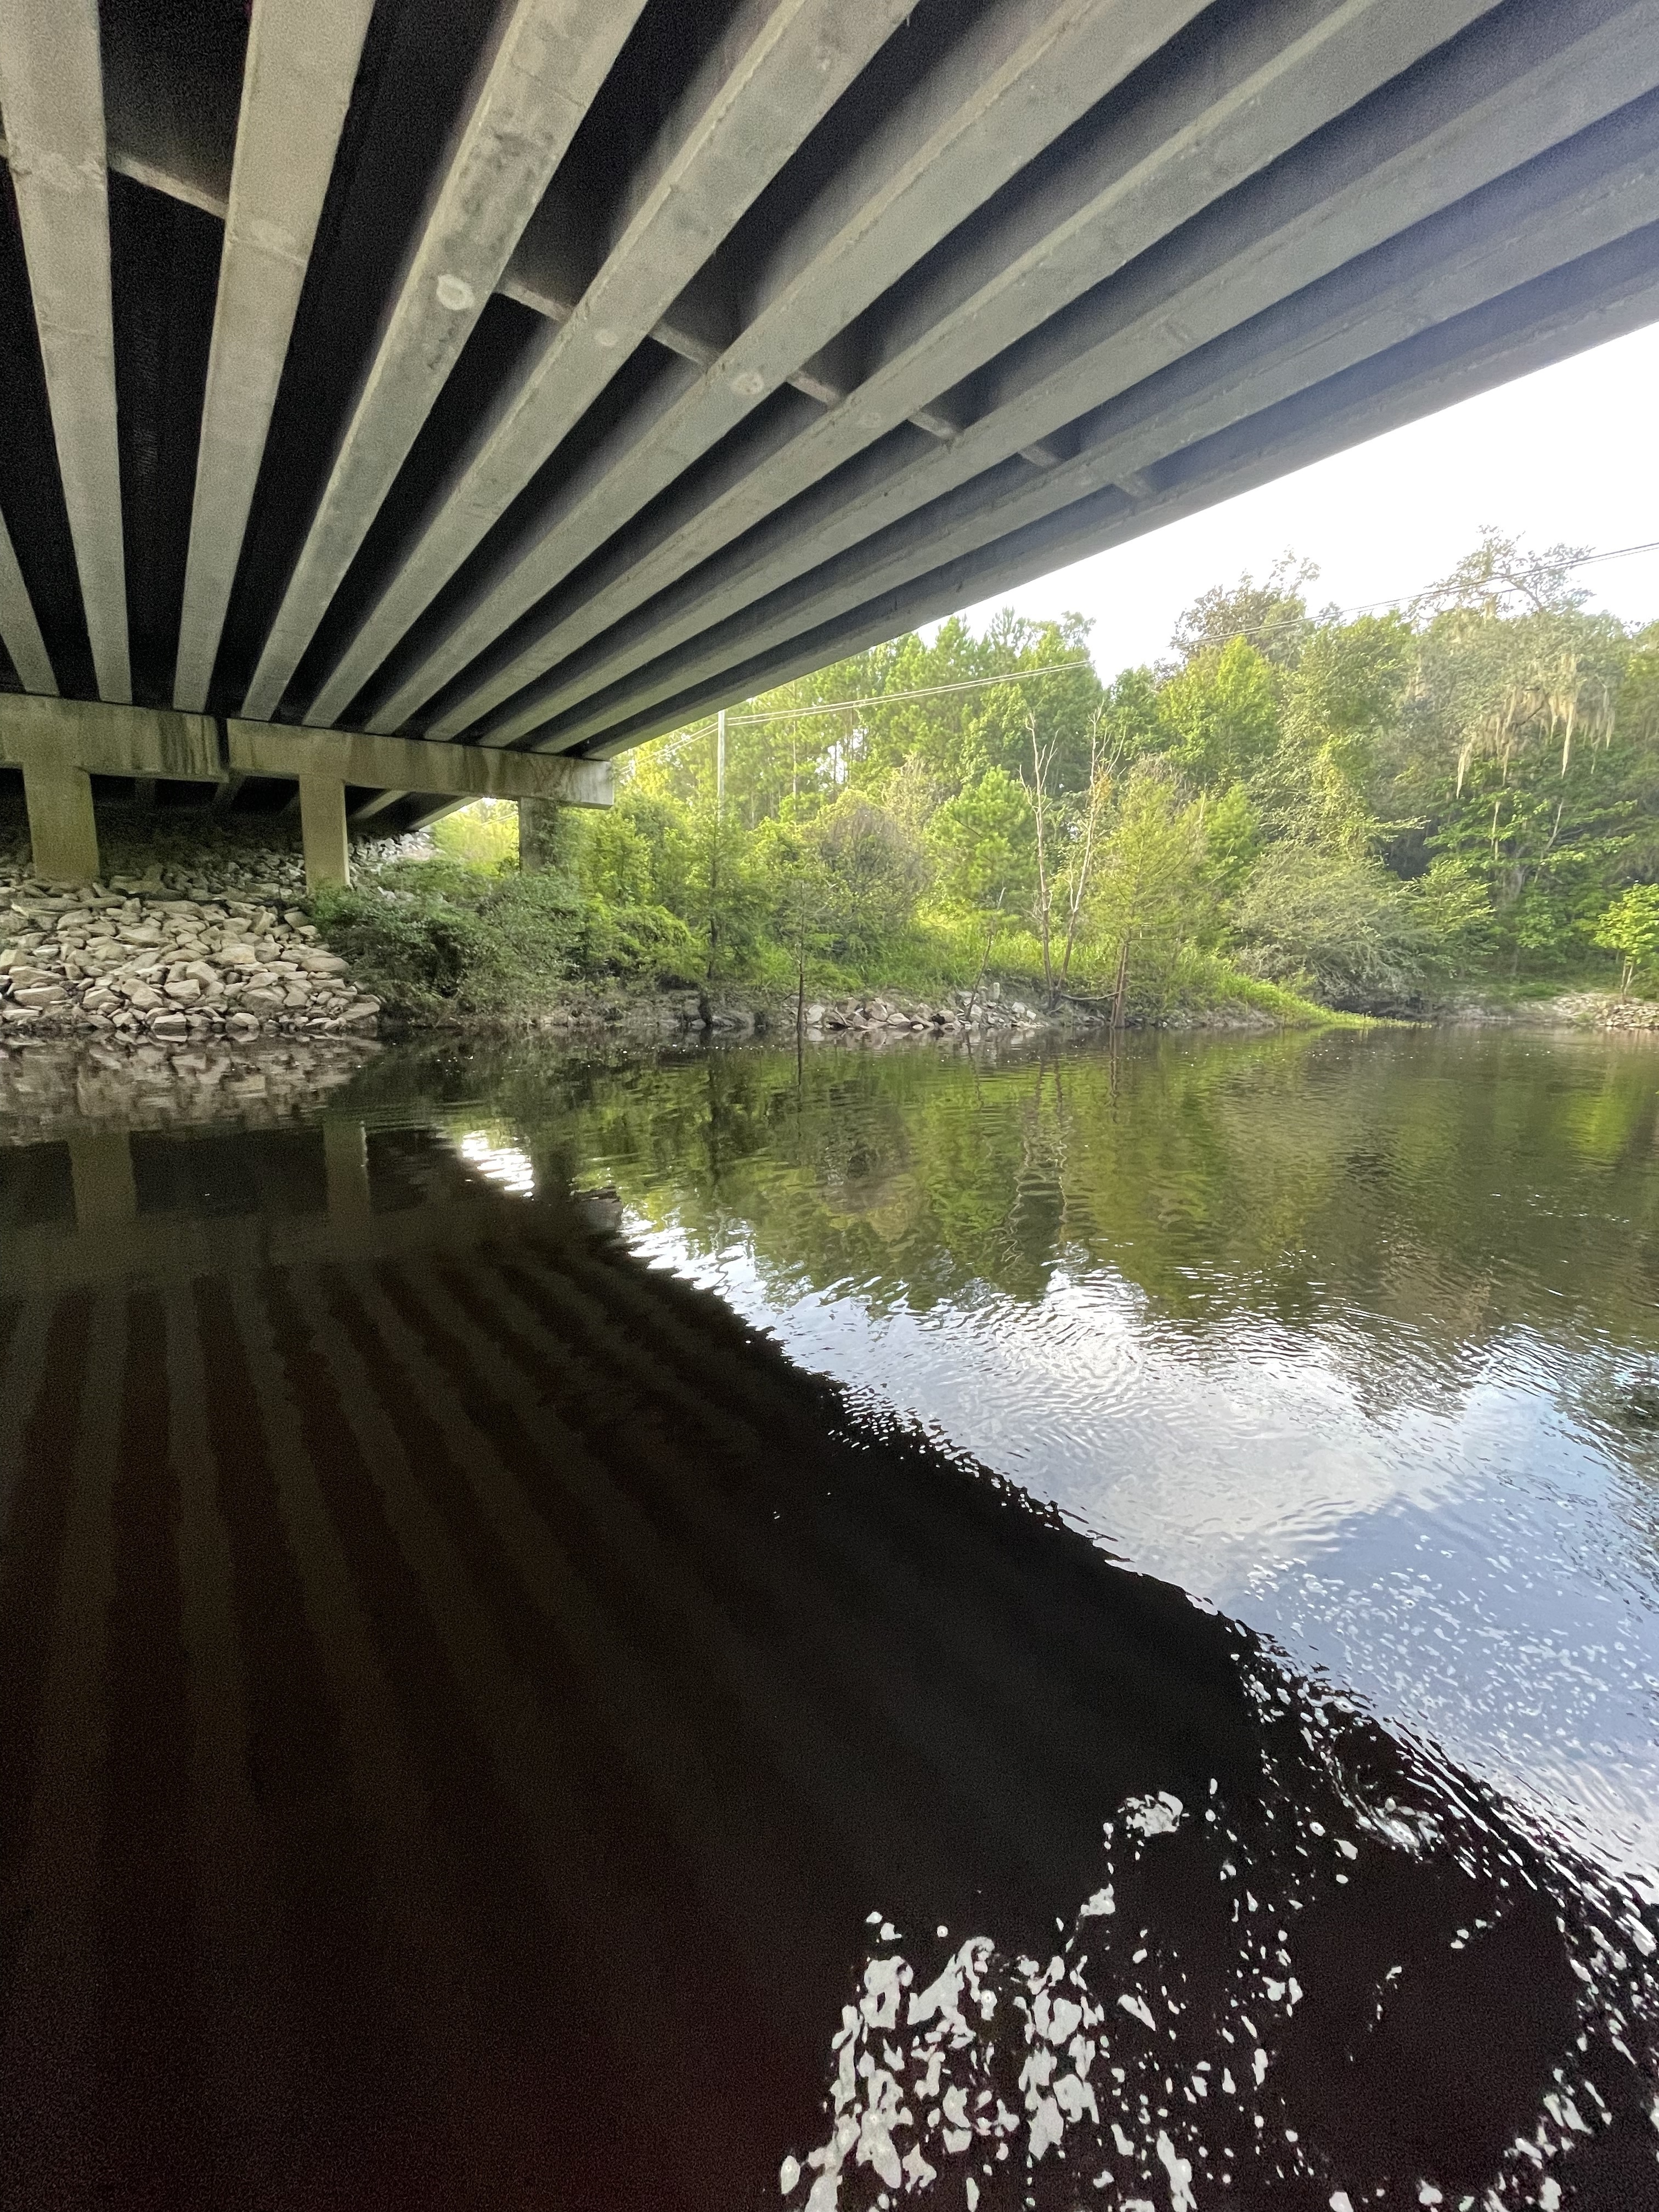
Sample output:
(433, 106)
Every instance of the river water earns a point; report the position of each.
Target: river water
(730, 1628)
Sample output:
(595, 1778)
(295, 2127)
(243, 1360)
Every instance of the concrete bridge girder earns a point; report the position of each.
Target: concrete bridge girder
(1425, 374)
(534, 83)
(874, 529)
(1241, 101)
(1269, 244)
(1025, 71)
(51, 99)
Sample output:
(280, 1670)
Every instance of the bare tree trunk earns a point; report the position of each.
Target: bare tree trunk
(985, 958)
(1121, 989)
(1079, 887)
(1039, 803)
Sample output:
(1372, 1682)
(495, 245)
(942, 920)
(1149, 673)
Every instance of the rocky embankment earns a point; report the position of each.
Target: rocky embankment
(870, 1019)
(1603, 1009)
(224, 948)
(1577, 1010)
(961, 1014)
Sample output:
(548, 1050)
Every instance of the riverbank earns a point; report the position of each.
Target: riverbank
(206, 935)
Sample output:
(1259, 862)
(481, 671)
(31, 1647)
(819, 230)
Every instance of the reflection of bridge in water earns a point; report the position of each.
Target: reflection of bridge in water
(467, 1696)
(447, 397)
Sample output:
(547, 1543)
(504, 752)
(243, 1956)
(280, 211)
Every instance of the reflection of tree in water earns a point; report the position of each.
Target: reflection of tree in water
(1449, 1190)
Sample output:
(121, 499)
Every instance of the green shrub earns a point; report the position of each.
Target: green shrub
(445, 936)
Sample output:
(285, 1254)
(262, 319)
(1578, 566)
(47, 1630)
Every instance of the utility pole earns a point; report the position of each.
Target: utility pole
(719, 765)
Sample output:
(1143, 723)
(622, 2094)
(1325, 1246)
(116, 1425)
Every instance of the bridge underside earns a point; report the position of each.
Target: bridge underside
(533, 376)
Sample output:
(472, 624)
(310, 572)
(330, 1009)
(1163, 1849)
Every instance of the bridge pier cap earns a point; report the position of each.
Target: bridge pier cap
(60, 745)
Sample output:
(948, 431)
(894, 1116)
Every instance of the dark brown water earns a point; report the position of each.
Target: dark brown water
(712, 1631)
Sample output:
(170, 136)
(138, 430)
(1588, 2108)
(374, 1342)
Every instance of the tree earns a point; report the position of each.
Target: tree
(1152, 894)
(1631, 927)
(1271, 615)
(984, 846)
(1069, 841)
(1500, 578)
(1219, 715)
(870, 873)
(800, 899)
(1336, 925)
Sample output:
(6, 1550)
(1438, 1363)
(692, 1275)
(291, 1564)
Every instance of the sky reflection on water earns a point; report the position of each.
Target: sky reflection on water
(1357, 1355)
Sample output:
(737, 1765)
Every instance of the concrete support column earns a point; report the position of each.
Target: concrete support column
(545, 835)
(62, 830)
(530, 844)
(323, 831)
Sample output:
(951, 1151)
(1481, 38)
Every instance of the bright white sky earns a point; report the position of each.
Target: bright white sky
(1570, 455)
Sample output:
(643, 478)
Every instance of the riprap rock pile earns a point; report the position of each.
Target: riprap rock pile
(178, 953)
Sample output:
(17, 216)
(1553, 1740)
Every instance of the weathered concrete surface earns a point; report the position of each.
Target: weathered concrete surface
(20, 630)
(1019, 77)
(301, 65)
(62, 831)
(141, 741)
(775, 59)
(323, 830)
(1525, 223)
(411, 764)
(51, 98)
(1252, 93)
(60, 743)
(548, 59)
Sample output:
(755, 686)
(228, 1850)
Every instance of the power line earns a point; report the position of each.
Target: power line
(1054, 668)
(887, 698)
(1584, 561)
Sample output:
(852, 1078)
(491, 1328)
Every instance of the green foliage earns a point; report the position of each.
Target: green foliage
(1631, 927)
(1334, 925)
(444, 938)
(1356, 810)
(1151, 903)
(486, 833)
(1220, 715)
(983, 844)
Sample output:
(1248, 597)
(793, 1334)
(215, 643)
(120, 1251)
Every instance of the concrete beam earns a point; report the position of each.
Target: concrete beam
(170, 103)
(408, 764)
(171, 179)
(780, 67)
(1603, 297)
(1600, 187)
(92, 738)
(52, 95)
(104, 739)
(1253, 91)
(301, 64)
(544, 62)
(62, 830)
(1416, 148)
(20, 629)
(1016, 80)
